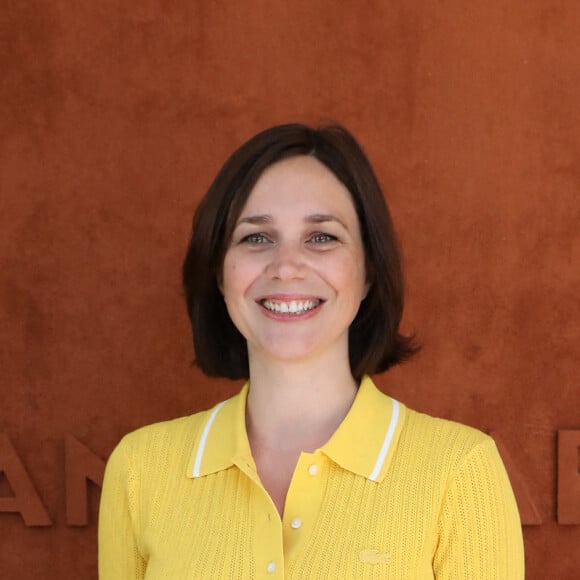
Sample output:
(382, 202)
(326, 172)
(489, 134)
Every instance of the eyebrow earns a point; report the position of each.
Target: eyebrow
(316, 218)
(256, 219)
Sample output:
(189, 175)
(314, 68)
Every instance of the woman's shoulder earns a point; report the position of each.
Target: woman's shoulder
(422, 423)
(158, 438)
(442, 441)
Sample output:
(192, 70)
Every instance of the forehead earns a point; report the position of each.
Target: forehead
(300, 180)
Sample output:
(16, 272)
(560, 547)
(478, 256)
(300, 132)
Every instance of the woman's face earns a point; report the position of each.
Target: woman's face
(293, 274)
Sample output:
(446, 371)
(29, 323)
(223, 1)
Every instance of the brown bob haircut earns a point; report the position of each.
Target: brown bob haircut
(375, 343)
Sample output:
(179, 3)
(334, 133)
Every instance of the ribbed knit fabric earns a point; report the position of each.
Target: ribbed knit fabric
(394, 494)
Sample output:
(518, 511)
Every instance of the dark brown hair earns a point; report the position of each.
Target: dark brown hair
(375, 343)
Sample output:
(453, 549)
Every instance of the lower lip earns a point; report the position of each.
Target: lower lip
(288, 316)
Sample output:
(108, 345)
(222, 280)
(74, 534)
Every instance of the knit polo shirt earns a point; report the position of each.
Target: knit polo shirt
(393, 494)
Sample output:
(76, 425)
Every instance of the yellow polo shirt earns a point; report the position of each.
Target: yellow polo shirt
(394, 494)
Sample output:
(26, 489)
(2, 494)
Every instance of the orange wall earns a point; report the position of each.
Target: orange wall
(114, 118)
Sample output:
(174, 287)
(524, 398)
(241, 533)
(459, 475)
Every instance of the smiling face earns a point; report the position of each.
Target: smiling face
(293, 275)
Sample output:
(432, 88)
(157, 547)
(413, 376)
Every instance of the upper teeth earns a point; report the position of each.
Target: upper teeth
(293, 307)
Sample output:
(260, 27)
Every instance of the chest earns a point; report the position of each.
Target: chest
(275, 470)
(335, 524)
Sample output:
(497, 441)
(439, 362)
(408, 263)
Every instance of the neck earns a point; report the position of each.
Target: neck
(297, 406)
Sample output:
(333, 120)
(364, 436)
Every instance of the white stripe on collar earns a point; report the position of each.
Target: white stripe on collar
(387, 442)
(202, 441)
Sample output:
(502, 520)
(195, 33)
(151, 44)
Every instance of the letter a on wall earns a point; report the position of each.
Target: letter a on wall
(25, 499)
(569, 477)
(527, 505)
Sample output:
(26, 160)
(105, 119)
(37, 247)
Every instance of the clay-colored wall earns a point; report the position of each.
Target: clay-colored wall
(114, 117)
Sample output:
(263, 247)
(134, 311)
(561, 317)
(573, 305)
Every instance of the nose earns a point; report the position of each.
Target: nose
(287, 262)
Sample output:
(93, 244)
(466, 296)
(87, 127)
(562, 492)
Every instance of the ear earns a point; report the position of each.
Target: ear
(369, 276)
(366, 290)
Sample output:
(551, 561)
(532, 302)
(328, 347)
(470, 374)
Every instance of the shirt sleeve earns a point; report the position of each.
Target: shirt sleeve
(120, 557)
(480, 534)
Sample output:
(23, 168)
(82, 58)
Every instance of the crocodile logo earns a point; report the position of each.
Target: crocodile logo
(374, 557)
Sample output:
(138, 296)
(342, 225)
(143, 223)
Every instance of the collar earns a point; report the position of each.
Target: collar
(364, 443)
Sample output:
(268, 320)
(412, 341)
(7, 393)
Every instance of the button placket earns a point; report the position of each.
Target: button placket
(303, 503)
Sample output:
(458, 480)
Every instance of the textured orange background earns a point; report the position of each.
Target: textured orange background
(115, 116)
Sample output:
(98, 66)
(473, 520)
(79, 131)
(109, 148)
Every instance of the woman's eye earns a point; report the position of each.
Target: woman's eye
(255, 239)
(321, 238)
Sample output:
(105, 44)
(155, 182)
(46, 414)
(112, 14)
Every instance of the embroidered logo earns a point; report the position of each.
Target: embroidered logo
(374, 557)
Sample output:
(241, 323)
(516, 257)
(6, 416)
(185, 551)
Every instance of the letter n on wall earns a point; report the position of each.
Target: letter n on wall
(569, 477)
(81, 464)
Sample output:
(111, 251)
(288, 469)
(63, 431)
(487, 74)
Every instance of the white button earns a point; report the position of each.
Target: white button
(296, 523)
(313, 469)
(271, 567)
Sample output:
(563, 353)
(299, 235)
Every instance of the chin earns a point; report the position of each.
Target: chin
(294, 351)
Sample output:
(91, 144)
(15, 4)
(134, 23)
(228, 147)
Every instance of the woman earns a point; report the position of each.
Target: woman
(293, 282)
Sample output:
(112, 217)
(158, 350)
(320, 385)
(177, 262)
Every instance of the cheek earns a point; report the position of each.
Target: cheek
(347, 277)
(237, 277)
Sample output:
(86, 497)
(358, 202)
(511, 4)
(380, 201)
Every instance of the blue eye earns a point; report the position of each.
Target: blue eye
(322, 238)
(255, 239)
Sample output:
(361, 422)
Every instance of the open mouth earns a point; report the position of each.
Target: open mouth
(290, 307)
